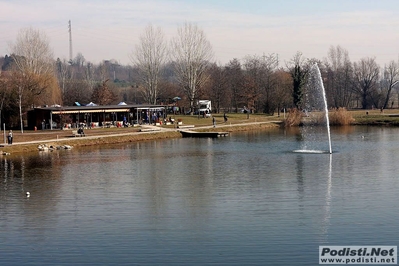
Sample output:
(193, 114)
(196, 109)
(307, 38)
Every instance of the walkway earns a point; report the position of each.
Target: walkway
(148, 129)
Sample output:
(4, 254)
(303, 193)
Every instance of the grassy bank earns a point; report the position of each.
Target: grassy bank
(389, 117)
(235, 122)
(101, 136)
(89, 141)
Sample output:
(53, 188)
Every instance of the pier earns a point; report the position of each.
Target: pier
(194, 134)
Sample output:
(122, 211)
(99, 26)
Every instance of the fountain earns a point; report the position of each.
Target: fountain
(315, 103)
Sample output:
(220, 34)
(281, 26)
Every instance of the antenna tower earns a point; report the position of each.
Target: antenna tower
(70, 41)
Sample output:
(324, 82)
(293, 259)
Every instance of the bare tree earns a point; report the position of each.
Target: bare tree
(64, 74)
(150, 56)
(79, 60)
(218, 90)
(192, 53)
(235, 81)
(89, 78)
(253, 81)
(283, 89)
(34, 65)
(260, 69)
(366, 74)
(102, 94)
(390, 79)
(339, 73)
(3, 95)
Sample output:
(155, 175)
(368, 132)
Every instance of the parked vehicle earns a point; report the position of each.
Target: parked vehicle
(205, 107)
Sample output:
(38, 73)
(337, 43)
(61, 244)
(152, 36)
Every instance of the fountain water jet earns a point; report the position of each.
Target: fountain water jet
(315, 99)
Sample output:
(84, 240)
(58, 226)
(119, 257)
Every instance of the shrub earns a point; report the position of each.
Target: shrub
(340, 117)
(294, 118)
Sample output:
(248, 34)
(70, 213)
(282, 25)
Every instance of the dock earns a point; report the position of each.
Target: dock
(194, 134)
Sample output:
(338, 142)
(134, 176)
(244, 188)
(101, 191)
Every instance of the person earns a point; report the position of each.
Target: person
(125, 121)
(214, 121)
(81, 132)
(10, 137)
(225, 117)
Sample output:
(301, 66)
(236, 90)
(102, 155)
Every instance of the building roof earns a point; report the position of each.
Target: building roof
(96, 109)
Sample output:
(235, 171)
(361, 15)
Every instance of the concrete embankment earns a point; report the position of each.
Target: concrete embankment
(164, 133)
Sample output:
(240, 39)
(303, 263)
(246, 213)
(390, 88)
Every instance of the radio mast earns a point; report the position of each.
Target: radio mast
(70, 41)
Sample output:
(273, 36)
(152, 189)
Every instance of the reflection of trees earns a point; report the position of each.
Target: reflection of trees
(38, 174)
(327, 207)
(302, 166)
(169, 191)
(299, 175)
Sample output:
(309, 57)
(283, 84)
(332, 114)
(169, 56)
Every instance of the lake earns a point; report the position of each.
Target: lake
(246, 199)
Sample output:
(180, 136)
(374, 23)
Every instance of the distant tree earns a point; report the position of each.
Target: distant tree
(261, 70)
(79, 60)
(299, 74)
(366, 74)
(3, 94)
(218, 90)
(253, 81)
(7, 63)
(389, 81)
(191, 52)
(77, 92)
(150, 56)
(339, 77)
(8, 105)
(90, 78)
(283, 89)
(102, 95)
(235, 81)
(249, 92)
(64, 75)
(34, 67)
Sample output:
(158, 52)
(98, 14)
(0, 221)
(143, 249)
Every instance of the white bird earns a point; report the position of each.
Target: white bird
(27, 194)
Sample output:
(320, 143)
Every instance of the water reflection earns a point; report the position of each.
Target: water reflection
(238, 200)
(327, 211)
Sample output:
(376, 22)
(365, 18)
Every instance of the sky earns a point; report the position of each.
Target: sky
(105, 29)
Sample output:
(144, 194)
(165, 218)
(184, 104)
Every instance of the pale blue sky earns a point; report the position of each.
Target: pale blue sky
(110, 29)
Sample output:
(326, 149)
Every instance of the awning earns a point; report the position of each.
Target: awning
(116, 110)
(62, 112)
(65, 112)
(150, 108)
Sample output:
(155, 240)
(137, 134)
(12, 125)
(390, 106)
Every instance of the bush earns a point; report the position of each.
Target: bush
(294, 118)
(340, 117)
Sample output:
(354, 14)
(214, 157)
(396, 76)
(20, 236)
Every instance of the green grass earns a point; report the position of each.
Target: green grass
(233, 118)
(376, 117)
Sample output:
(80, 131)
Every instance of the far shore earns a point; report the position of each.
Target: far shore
(30, 140)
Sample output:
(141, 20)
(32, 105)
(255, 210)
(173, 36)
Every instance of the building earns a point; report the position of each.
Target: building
(92, 115)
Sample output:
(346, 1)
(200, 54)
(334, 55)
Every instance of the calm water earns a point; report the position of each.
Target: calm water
(242, 200)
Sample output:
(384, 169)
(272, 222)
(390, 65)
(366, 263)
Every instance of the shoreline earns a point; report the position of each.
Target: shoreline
(114, 138)
(147, 132)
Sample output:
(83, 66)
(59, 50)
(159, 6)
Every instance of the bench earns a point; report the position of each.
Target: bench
(76, 134)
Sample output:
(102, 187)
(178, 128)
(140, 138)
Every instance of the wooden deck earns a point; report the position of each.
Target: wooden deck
(194, 134)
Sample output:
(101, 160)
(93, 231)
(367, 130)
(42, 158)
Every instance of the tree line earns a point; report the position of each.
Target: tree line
(184, 67)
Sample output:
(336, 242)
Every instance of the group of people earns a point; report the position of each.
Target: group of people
(224, 118)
